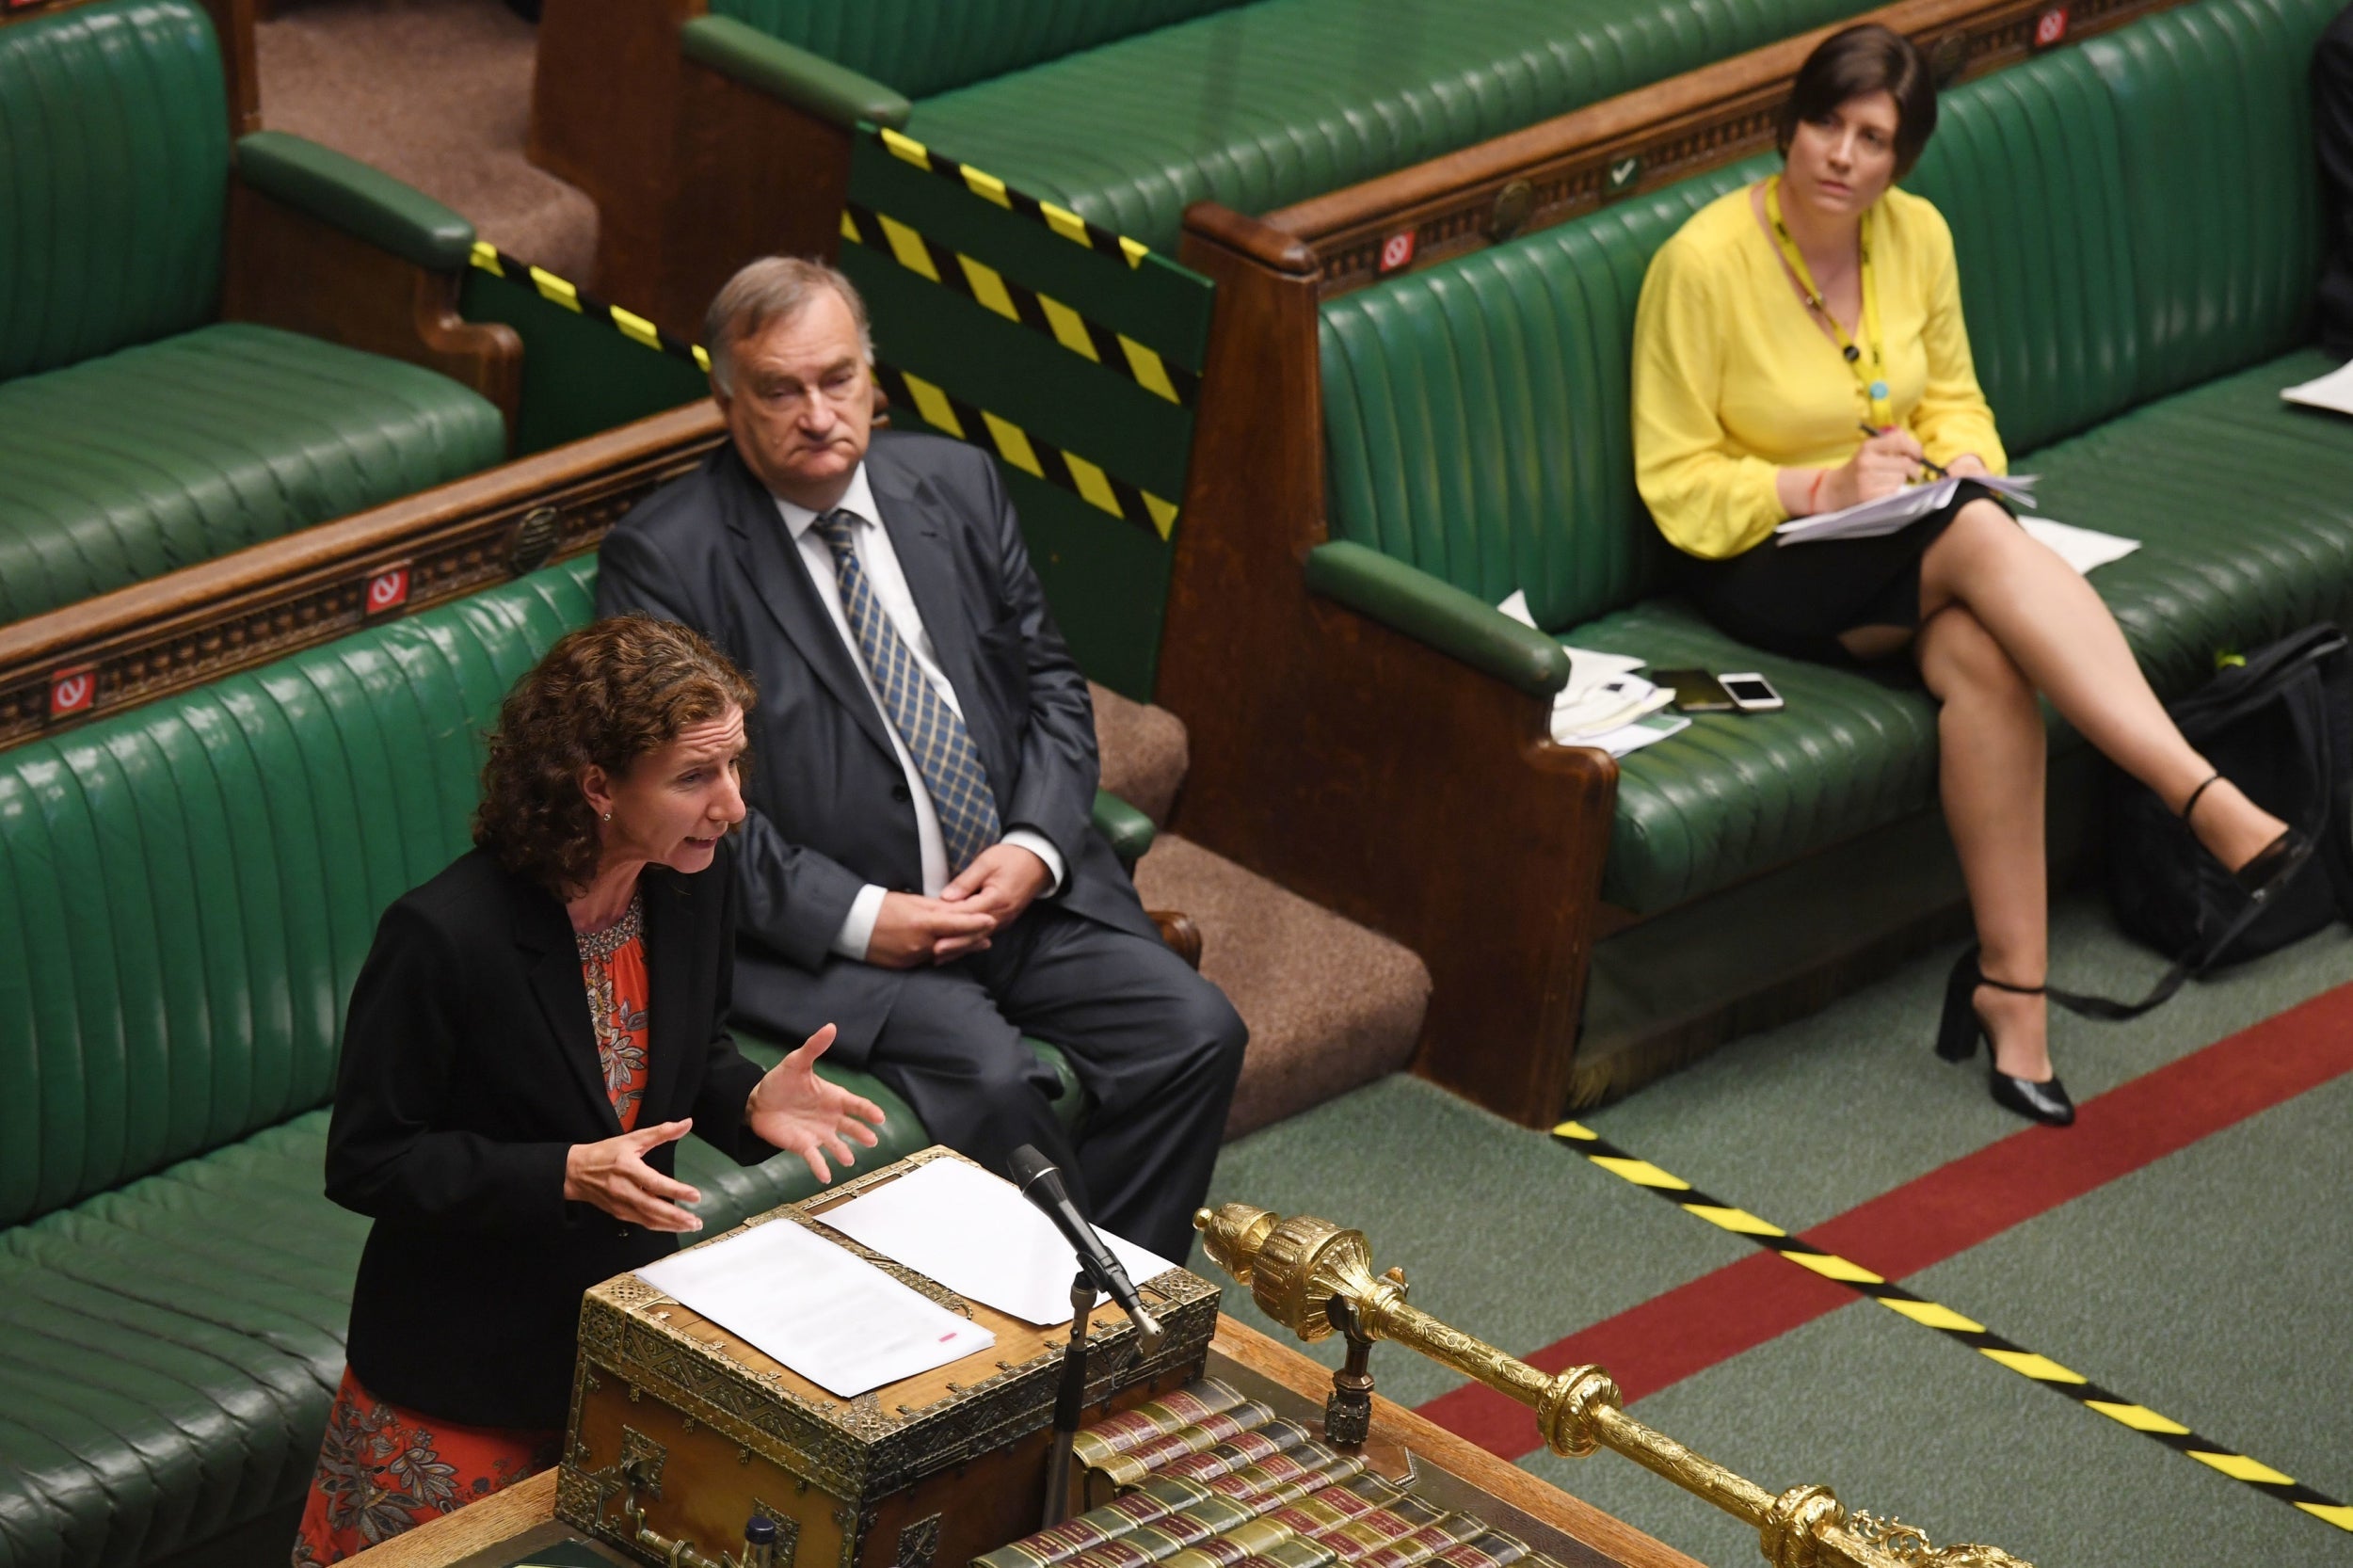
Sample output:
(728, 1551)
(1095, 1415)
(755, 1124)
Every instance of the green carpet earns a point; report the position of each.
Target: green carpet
(2209, 1286)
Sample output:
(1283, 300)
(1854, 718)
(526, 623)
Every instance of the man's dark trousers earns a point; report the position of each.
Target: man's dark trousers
(1157, 1047)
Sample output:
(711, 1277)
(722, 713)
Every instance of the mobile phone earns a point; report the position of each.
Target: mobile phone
(1751, 692)
(1696, 691)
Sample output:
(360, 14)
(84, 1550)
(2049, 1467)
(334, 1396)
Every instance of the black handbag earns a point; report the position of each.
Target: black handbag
(2277, 724)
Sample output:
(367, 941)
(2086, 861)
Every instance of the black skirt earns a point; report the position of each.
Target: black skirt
(1796, 598)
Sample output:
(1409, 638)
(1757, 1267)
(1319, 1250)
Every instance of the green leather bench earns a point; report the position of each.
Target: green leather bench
(1126, 113)
(139, 431)
(187, 892)
(2138, 234)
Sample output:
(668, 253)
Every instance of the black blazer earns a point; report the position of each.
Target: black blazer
(468, 1070)
(829, 805)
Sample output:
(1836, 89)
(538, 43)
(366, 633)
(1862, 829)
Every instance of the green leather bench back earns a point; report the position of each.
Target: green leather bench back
(187, 890)
(2132, 217)
(1270, 103)
(114, 167)
(1475, 414)
(2214, 107)
(926, 46)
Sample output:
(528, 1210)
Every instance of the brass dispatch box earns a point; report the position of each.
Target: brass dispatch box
(680, 1432)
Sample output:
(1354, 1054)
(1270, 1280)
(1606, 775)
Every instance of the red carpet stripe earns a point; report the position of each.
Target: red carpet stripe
(1935, 1216)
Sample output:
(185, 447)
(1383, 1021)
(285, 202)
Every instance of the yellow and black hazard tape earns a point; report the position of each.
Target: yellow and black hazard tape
(992, 290)
(1953, 1325)
(556, 290)
(1042, 460)
(1090, 482)
(1060, 220)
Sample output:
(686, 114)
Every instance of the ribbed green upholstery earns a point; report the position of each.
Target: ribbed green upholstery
(2134, 219)
(114, 174)
(134, 436)
(1476, 420)
(2027, 169)
(187, 892)
(163, 455)
(2222, 202)
(1275, 102)
(923, 46)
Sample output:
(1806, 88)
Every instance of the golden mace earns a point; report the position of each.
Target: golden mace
(1298, 1268)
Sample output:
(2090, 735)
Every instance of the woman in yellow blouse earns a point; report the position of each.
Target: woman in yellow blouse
(1779, 326)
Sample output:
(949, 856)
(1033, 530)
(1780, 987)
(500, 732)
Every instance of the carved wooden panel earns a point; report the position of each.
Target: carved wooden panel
(147, 641)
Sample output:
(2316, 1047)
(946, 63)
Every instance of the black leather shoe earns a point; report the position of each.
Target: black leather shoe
(1960, 1029)
(2046, 1103)
(2273, 865)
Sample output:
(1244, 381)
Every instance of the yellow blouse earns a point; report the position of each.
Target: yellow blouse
(1734, 379)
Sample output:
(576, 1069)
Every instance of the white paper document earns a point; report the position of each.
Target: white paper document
(2081, 548)
(978, 1235)
(2334, 392)
(819, 1308)
(1602, 692)
(1621, 699)
(1644, 731)
(1870, 518)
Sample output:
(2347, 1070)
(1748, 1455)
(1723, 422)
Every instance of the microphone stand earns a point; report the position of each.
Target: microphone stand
(1069, 1402)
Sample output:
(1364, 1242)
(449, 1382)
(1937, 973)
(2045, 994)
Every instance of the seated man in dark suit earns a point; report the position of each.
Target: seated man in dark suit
(918, 865)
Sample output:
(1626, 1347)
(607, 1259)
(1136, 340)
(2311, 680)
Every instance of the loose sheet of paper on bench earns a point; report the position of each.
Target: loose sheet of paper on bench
(819, 1308)
(978, 1235)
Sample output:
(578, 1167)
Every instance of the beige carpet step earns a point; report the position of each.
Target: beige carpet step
(1330, 1005)
(1143, 749)
(435, 92)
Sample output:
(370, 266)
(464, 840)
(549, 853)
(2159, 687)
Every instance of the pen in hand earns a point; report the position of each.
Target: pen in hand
(1874, 433)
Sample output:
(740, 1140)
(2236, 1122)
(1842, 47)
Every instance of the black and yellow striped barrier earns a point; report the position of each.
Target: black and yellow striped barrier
(2027, 1364)
(556, 290)
(988, 287)
(1029, 452)
(1059, 220)
(1090, 482)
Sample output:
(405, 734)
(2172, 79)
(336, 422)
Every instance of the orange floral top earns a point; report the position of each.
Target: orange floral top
(612, 967)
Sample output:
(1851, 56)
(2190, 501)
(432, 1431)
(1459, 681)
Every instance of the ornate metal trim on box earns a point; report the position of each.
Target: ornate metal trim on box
(855, 1451)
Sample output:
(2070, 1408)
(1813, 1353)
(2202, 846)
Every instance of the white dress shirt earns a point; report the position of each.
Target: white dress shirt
(870, 540)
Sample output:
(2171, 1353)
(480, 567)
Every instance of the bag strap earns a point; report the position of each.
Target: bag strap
(2303, 695)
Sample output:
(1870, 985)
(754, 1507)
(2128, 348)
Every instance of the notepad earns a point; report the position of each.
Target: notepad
(818, 1308)
(1889, 514)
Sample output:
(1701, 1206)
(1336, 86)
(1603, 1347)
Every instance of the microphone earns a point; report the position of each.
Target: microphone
(1042, 1184)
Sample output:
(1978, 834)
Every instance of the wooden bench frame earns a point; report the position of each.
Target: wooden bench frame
(285, 268)
(1442, 813)
(270, 599)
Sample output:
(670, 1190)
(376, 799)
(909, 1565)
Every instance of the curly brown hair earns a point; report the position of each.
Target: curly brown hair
(605, 696)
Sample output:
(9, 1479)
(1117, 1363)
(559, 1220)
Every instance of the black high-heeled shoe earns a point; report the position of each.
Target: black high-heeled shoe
(2271, 866)
(1961, 1029)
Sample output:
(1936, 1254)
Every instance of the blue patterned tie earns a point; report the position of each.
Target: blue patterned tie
(935, 737)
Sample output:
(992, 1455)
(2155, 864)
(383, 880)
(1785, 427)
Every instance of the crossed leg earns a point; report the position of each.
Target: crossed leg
(2002, 619)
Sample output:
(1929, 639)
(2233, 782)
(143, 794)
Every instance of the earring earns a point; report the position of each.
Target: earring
(608, 816)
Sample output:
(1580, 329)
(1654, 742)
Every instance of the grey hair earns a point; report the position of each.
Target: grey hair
(773, 288)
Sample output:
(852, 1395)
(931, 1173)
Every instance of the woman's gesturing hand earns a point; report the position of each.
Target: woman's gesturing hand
(1882, 467)
(613, 1176)
(798, 1112)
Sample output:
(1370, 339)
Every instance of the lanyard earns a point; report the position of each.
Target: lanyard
(1874, 380)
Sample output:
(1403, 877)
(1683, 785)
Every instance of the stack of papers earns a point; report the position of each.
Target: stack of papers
(816, 1306)
(1889, 514)
(977, 1234)
(1604, 705)
(2334, 392)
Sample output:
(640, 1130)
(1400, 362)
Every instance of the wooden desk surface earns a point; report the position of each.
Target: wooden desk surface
(529, 1504)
